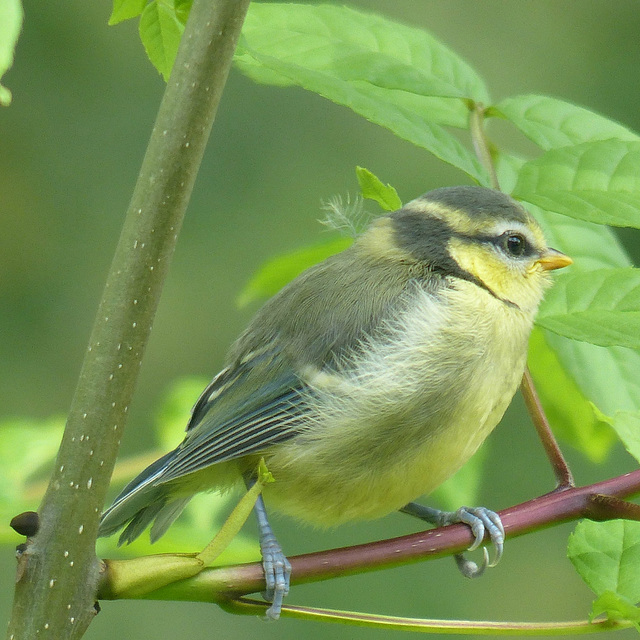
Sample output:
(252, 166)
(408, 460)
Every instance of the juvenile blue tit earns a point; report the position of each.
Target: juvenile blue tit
(368, 380)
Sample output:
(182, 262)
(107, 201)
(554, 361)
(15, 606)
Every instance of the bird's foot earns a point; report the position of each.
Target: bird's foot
(481, 521)
(277, 573)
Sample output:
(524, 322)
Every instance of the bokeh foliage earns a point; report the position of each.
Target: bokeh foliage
(418, 92)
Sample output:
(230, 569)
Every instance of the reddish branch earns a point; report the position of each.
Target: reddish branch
(600, 501)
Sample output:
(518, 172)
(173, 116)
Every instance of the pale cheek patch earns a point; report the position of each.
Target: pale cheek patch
(480, 262)
(523, 285)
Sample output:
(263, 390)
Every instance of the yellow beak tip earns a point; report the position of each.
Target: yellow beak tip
(553, 259)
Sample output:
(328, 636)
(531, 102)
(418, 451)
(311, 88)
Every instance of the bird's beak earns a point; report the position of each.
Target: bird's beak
(552, 259)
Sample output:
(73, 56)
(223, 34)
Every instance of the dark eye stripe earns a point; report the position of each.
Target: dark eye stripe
(525, 248)
(514, 244)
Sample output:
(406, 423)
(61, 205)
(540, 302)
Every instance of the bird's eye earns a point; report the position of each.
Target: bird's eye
(515, 244)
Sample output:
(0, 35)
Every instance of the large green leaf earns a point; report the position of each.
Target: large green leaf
(600, 307)
(358, 46)
(627, 425)
(591, 246)
(616, 607)
(595, 181)
(607, 377)
(553, 123)
(387, 72)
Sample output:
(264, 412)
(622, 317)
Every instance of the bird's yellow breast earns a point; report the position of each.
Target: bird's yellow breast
(395, 423)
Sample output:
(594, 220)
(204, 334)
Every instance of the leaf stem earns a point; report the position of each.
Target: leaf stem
(481, 142)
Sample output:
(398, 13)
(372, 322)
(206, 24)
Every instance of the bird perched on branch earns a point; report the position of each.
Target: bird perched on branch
(368, 380)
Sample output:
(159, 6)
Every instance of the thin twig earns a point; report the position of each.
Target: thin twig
(561, 470)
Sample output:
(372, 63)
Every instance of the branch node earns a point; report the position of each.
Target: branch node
(26, 523)
(602, 507)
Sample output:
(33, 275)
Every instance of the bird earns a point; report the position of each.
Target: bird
(368, 380)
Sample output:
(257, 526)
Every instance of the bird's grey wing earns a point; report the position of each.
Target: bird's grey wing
(247, 408)
(313, 324)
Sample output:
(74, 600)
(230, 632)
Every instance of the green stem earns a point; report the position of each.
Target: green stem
(481, 143)
(59, 570)
(136, 577)
(467, 627)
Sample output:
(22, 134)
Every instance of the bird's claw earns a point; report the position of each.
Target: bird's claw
(277, 573)
(480, 520)
(469, 568)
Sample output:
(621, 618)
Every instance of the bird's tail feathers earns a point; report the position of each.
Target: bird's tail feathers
(142, 502)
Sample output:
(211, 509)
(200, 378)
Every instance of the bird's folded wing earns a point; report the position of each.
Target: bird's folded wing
(246, 409)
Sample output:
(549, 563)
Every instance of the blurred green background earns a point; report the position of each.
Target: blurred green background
(85, 98)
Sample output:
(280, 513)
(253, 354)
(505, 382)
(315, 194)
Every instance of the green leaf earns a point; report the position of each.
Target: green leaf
(279, 271)
(627, 425)
(183, 8)
(607, 376)
(160, 32)
(412, 126)
(601, 307)
(393, 75)
(573, 376)
(607, 556)
(11, 15)
(384, 71)
(615, 607)
(373, 188)
(591, 246)
(573, 417)
(126, 9)
(361, 47)
(553, 123)
(595, 181)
